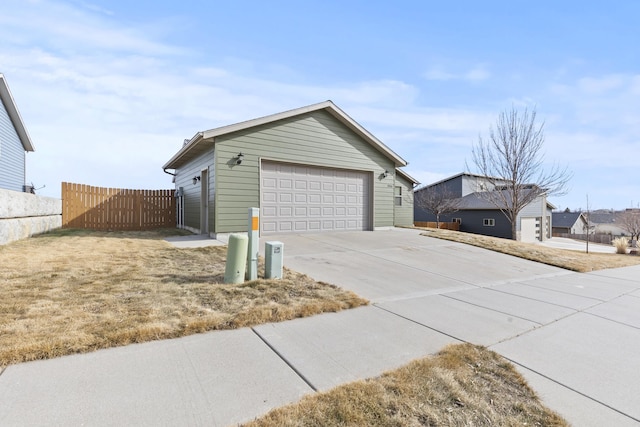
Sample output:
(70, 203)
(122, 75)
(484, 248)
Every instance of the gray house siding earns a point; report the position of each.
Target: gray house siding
(315, 138)
(473, 216)
(191, 192)
(537, 209)
(12, 154)
(403, 213)
(472, 221)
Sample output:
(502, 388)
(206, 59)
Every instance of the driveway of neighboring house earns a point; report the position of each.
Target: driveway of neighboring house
(577, 245)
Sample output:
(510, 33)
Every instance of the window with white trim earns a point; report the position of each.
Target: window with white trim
(457, 220)
(489, 222)
(397, 196)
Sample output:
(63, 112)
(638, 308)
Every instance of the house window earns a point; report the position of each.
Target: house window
(397, 196)
(489, 222)
(457, 220)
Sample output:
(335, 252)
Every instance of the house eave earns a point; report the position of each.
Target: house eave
(189, 151)
(407, 177)
(14, 115)
(179, 158)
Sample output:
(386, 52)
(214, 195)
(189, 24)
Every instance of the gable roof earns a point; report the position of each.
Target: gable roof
(199, 143)
(566, 219)
(454, 177)
(14, 115)
(407, 176)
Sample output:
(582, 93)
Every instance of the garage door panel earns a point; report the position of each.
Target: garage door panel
(313, 199)
(269, 211)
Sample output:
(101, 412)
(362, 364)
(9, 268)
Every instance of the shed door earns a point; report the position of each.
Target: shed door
(301, 199)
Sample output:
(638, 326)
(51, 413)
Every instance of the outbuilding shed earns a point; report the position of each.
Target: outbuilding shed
(311, 169)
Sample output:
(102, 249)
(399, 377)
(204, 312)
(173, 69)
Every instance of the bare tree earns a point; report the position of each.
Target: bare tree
(512, 161)
(629, 221)
(437, 201)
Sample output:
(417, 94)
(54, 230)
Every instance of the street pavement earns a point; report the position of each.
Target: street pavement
(575, 337)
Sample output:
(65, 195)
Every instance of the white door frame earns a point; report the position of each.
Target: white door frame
(204, 201)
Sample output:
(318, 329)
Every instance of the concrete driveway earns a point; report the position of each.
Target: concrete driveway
(575, 337)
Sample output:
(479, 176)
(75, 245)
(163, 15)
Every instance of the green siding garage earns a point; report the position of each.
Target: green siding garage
(311, 169)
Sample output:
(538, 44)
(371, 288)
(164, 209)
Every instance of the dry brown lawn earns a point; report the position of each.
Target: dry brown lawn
(76, 291)
(568, 259)
(463, 385)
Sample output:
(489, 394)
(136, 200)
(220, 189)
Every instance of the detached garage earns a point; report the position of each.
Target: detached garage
(311, 169)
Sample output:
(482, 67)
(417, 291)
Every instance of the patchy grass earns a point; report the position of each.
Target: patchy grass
(75, 291)
(463, 385)
(570, 260)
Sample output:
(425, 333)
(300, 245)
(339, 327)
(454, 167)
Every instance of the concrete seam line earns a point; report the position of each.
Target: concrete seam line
(284, 359)
(540, 300)
(610, 320)
(572, 389)
(418, 323)
(493, 309)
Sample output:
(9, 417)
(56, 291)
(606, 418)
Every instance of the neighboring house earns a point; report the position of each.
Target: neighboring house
(476, 214)
(311, 169)
(605, 221)
(14, 142)
(569, 223)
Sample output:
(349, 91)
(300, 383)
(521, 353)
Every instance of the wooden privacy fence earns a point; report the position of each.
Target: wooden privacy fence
(443, 225)
(605, 239)
(98, 208)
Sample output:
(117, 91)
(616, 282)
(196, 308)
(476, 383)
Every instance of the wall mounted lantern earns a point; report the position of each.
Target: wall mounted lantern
(196, 179)
(239, 158)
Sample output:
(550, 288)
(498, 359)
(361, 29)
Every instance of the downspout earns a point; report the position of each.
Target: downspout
(165, 171)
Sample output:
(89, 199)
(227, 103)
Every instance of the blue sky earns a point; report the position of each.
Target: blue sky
(109, 90)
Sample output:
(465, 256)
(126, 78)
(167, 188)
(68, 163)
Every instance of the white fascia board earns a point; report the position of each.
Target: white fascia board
(14, 115)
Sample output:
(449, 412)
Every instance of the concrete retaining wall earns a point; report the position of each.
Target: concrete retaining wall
(23, 215)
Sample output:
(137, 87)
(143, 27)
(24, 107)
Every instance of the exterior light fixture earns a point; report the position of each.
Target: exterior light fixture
(196, 179)
(385, 174)
(239, 158)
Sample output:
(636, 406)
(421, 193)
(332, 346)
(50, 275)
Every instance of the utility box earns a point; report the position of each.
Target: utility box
(236, 259)
(273, 260)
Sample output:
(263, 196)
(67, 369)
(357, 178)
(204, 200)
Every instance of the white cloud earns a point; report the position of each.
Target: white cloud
(601, 85)
(478, 72)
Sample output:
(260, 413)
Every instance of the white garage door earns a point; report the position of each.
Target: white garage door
(299, 199)
(529, 229)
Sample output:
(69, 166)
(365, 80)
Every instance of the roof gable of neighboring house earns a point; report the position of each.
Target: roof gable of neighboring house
(14, 115)
(602, 217)
(461, 175)
(201, 141)
(566, 219)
